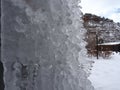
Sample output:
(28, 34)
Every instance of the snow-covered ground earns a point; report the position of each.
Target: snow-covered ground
(105, 74)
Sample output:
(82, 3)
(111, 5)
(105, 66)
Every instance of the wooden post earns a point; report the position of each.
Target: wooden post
(97, 53)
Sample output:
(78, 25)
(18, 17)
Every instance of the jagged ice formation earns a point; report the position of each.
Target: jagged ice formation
(42, 45)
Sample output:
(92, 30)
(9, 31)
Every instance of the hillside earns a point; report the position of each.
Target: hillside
(104, 29)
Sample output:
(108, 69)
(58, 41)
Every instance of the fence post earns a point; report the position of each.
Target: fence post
(97, 47)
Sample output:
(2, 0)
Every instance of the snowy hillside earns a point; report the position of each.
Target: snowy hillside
(106, 29)
(100, 30)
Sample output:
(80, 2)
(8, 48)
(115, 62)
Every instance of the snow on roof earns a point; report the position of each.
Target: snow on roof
(110, 43)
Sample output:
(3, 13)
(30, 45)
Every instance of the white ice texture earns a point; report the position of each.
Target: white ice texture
(43, 46)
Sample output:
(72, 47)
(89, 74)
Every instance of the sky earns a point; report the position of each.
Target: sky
(104, 8)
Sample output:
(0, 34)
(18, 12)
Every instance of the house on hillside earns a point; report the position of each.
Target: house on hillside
(111, 46)
(105, 49)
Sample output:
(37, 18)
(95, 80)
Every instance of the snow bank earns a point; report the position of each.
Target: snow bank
(105, 73)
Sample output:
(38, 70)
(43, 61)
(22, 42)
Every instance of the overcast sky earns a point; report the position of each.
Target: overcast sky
(107, 8)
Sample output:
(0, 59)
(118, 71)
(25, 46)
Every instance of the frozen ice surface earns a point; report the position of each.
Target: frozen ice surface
(42, 45)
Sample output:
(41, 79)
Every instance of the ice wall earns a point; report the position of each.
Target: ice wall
(42, 45)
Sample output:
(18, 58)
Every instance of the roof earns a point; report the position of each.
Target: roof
(110, 43)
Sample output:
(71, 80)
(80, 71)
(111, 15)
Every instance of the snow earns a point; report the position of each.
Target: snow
(110, 43)
(105, 74)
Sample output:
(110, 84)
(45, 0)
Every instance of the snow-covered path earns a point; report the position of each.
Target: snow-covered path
(105, 74)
